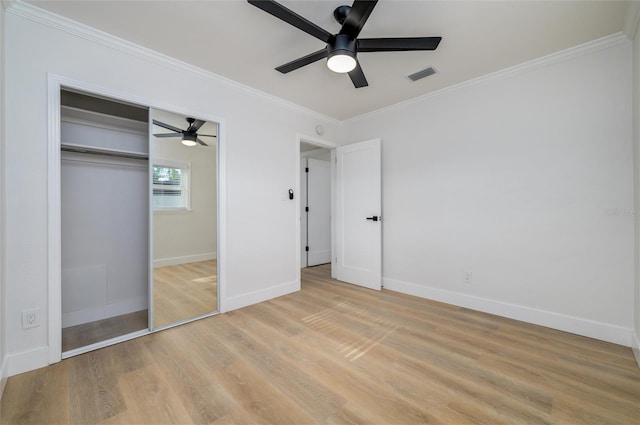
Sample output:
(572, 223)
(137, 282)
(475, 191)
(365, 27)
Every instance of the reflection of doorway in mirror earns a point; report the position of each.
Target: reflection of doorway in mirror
(184, 202)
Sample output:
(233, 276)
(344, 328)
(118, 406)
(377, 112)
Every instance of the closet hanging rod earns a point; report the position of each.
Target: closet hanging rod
(104, 152)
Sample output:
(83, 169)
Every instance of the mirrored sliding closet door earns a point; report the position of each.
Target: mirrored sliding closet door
(184, 207)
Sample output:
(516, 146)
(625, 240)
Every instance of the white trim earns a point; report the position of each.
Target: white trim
(54, 84)
(3, 138)
(27, 360)
(255, 297)
(550, 59)
(585, 327)
(54, 221)
(632, 19)
(173, 261)
(636, 348)
(3, 376)
(88, 33)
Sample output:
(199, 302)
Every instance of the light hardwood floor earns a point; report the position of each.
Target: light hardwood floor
(180, 292)
(336, 353)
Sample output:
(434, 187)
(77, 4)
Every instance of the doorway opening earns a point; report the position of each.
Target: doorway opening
(316, 202)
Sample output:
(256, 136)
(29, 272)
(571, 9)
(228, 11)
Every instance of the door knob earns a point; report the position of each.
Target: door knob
(374, 218)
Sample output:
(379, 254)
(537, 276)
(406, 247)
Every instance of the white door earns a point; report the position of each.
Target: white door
(319, 212)
(358, 214)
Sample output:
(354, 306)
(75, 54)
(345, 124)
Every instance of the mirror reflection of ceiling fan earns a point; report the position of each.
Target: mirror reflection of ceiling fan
(190, 136)
(342, 48)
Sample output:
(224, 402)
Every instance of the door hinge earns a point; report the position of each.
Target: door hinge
(306, 169)
(306, 248)
(306, 209)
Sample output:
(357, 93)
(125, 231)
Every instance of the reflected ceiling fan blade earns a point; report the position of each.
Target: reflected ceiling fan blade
(167, 126)
(195, 126)
(357, 17)
(292, 18)
(300, 62)
(357, 77)
(207, 135)
(397, 44)
(168, 135)
(201, 142)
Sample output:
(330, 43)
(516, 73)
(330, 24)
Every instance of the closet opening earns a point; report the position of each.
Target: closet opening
(104, 169)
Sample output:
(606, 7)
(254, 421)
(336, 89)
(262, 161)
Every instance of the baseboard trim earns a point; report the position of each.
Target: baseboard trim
(3, 376)
(27, 360)
(174, 261)
(636, 348)
(585, 327)
(244, 300)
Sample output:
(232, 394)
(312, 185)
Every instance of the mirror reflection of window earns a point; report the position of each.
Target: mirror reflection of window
(170, 186)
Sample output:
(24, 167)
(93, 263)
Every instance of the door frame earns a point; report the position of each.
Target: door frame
(321, 143)
(54, 214)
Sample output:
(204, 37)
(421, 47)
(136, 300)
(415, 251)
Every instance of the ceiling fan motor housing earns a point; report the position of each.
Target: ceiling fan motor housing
(341, 44)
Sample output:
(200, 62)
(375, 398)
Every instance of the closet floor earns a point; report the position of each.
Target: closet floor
(101, 330)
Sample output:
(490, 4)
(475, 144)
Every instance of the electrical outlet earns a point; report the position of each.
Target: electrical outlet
(468, 276)
(30, 318)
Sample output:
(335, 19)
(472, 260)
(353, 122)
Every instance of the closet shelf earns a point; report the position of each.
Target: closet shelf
(67, 147)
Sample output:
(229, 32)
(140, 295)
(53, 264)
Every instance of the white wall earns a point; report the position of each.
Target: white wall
(260, 135)
(186, 236)
(523, 179)
(105, 222)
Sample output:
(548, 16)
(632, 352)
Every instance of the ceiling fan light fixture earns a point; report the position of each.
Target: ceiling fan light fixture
(341, 57)
(189, 140)
(341, 63)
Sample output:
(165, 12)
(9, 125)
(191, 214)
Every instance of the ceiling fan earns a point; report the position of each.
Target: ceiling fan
(342, 48)
(190, 136)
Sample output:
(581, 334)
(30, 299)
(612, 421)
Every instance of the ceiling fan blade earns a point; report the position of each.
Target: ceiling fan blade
(357, 77)
(207, 135)
(358, 15)
(201, 142)
(195, 126)
(303, 61)
(399, 44)
(167, 126)
(168, 135)
(292, 18)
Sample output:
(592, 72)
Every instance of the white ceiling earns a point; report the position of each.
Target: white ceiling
(239, 41)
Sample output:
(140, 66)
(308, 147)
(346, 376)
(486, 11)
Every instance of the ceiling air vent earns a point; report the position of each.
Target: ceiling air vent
(422, 74)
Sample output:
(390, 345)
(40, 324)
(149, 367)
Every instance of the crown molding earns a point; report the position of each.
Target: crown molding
(7, 4)
(541, 62)
(44, 17)
(632, 19)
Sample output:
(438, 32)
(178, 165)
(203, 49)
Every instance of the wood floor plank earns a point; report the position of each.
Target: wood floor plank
(150, 399)
(336, 353)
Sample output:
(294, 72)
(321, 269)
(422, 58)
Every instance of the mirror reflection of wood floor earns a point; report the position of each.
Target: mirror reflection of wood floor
(184, 291)
(337, 353)
(181, 292)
